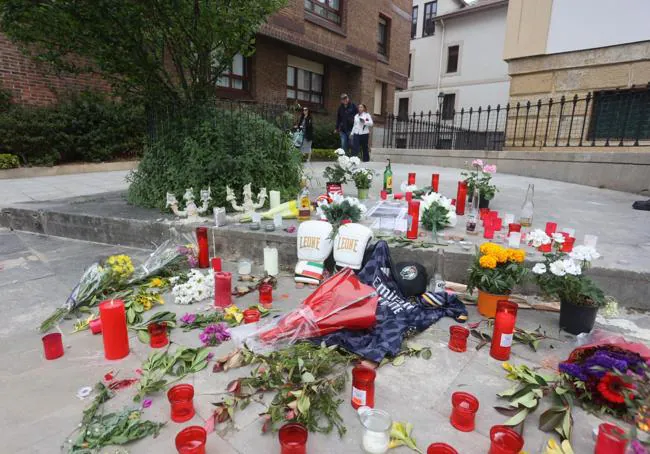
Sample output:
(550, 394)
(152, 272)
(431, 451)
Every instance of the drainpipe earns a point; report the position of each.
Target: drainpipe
(442, 43)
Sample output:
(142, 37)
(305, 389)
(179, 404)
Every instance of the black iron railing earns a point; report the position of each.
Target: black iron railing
(604, 118)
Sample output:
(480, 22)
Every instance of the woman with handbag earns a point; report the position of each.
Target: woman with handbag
(305, 128)
(361, 133)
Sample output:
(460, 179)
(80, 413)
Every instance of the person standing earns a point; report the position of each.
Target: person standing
(306, 125)
(345, 121)
(361, 133)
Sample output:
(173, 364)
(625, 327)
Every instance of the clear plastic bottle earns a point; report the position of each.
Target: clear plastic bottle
(528, 208)
(437, 284)
(473, 217)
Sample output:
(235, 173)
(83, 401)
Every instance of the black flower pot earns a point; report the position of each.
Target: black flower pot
(576, 319)
(483, 203)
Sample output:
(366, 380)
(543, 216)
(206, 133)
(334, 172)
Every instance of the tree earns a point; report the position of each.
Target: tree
(166, 51)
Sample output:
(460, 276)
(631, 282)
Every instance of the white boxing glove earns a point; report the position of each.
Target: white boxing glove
(314, 246)
(350, 244)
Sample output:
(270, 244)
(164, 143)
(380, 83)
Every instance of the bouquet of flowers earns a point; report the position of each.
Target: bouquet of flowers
(436, 212)
(362, 177)
(193, 287)
(479, 178)
(342, 169)
(496, 269)
(340, 209)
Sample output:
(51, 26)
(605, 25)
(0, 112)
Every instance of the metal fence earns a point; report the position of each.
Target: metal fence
(604, 118)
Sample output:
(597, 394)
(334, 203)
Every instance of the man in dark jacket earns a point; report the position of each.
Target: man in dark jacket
(345, 120)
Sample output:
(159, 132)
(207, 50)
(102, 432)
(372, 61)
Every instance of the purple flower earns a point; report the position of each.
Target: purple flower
(638, 448)
(215, 334)
(146, 403)
(210, 356)
(574, 370)
(188, 318)
(192, 261)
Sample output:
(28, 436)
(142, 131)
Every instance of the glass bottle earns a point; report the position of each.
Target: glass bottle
(528, 208)
(473, 218)
(388, 179)
(438, 284)
(304, 204)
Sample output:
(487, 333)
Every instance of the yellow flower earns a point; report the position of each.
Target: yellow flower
(488, 261)
(500, 254)
(146, 304)
(507, 366)
(486, 248)
(156, 282)
(233, 313)
(516, 255)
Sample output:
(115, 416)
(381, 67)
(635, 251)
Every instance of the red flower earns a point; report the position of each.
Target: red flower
(612, 388)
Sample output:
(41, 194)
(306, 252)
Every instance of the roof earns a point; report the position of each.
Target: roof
(478, 5)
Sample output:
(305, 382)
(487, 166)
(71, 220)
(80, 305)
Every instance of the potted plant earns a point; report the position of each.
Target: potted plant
(480, 178)
(337, 174)
(436, 212)
(561, 275)
(362, 180)
(338, 210)
(495, 272)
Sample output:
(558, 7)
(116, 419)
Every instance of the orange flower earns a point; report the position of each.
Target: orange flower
(488, 261)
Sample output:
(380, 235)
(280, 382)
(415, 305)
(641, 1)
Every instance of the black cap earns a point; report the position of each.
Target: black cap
(411, 278)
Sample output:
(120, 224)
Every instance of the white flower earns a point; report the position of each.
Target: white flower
(558, 238)
(582, 252)
(451, 218)
(355, 161)
(369, 175)
(405, 187)
(538, 238)
(539, 268)
(572, 267)
(340, 151)
(197, 288)
(344, 161)
(557, 268)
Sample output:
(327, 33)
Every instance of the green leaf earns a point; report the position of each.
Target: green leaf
(527, 400)
(130, 316)
(550, 419)
(303, 404)
(560, 391)
(510, 392)
(143, 336)
(307, 377)
(399, 360)
(518, 418)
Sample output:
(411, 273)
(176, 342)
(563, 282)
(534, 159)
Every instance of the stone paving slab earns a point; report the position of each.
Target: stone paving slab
(41, 409)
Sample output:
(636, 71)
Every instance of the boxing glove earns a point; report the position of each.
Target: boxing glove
(350, 245)
(314, 246)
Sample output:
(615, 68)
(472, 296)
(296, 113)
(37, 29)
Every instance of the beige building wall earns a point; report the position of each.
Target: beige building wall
(527, 27)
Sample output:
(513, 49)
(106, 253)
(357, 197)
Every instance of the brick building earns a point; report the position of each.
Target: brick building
(309, 52)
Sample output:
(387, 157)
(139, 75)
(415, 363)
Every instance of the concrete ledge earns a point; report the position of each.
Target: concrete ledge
(627, 171)
(109, 220)
(67, 169)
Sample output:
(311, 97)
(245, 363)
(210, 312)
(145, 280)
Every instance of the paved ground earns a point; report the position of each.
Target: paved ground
(40, 407)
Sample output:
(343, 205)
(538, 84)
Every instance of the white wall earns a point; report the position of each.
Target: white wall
(588, 24)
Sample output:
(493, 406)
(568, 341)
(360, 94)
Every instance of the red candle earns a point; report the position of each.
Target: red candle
(551, 227)
(216, 264)
(497, 223)
(251, 316)
(413, 220)
(383, 194)
(266, 295)
(611, 439)
(435, 180)
(293, 439)
(181, 400)
(222, 289)
(53, 346)
(504, 440)
(545, 248)
(493, 214)
(409, 196)
(453, 202)
(202, 239)
(95, 326)
(363, 387)
(567, 246)
(411, 179)
(114, 331)
(514, 228)
(441, 448)
(488, 232)
(463, 411)
(157, 335)
(484, 213)
(458, 338)
(504, 327)
(398, 196)
(461, 198)
(191, 440)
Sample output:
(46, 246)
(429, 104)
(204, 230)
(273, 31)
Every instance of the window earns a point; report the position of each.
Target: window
(382, 36)
(238, 76)
(430, 10)
(452, 59)
(410, 63)
(380, 92)
(620, 114)
(305, 81)
(327, 9)
(448, 105)
(414, 22)
(403, 109)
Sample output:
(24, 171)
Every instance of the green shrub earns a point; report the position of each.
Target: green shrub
(5, 99)
(323, 154)
(85, 127)
(9, 161)
(324, 136)
(216, 148)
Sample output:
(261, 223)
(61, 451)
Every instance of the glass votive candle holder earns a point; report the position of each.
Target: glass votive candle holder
(53, 346)
(376, 430)
(363, 387)
(567, 246)
(191, 440)
(216, 264)
(266, 295)
(244, 267)
(611, 439)
(293, 439)
(463, 411)
(157, 335)
(514, 227)
(550, 229)
(497, 223)
(441, 448)
(504, 440)
(545, 247)
(95, 325)
(398, 196)
(484, 212)
(383, 195)
(181, 399)
(251, 316)
(458, 338)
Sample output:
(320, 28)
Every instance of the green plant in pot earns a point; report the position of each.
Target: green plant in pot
(561, 275)
(480, 177)
(362, 180)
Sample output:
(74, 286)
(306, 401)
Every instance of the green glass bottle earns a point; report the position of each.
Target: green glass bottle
(388, 179)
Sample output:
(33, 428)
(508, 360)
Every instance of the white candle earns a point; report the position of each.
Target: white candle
(514, 239)
(508, 219)
(271, 261)
(375, 442)
(590, 240)
(244, 268)
(256, 217)
(277, 221)
(275, 198)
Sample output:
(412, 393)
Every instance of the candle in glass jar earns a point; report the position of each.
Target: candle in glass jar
(461, 198)
(435, 181)
(216, 264)
(202, 239)
(375, 442)
(514, 239)
(411, 178)
(413, 220)
(114, 331)
(504, 327)
(222, 289)
(275, 198)
(244, 267)
(271, 261)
